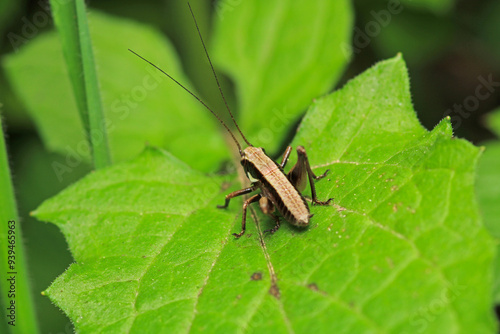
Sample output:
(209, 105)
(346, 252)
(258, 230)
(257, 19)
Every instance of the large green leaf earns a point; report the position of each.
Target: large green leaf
(402, 250)
(280, 57)
(488, 191)
(141, 104)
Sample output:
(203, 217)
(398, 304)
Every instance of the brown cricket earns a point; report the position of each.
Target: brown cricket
(277, 190)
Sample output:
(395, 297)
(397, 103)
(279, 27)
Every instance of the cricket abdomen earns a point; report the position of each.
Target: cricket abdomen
(276, 187)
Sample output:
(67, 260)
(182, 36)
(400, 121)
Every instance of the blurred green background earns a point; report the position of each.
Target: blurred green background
(450, 48)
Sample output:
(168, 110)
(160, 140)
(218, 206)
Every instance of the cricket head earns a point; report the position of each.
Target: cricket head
(251, 156)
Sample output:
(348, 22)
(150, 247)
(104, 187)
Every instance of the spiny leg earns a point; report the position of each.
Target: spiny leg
(268, 208)
(252, 199)
(236, 194)
(298, 173)
(277, 226)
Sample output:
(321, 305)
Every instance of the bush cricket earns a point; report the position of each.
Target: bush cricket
(277, 190)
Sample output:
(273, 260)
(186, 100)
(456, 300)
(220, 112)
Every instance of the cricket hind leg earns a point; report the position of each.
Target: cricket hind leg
(297, 176)
(268, 208)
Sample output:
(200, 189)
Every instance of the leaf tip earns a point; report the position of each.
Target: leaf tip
(444, 127)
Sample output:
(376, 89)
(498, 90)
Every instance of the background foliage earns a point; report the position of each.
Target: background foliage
(448, 47)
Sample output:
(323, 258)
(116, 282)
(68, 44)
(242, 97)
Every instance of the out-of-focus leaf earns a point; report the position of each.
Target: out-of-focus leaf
(434, 6)
(141, 104)
(488, 191)
(280, 57)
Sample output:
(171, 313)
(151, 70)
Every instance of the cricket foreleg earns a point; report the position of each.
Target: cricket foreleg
(297, 176)
(236, 194)
(252, 199)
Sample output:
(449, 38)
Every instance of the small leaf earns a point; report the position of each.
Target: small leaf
(141, 104)
(402, 250)
(280, 57)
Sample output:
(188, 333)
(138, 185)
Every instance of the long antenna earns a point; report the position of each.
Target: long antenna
(196, 97)
(215, 75)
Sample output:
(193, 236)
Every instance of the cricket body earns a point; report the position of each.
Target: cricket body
(278, 191)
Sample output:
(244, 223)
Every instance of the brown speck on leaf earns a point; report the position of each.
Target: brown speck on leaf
(238, 297)
(394, 188)
(274, 291)
(313, 286)
(395, 208)
(257, 276)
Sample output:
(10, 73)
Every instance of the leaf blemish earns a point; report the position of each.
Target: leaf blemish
(275, 291)
(257, 276)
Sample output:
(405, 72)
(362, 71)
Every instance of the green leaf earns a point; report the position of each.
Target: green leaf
(280, 57)
(488, 192)
(402, 250)
(141, 105)
(71, 21)
(15, 290)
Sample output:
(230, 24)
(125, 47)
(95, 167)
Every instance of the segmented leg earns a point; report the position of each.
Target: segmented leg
(277, 226)
(297, 176)
(236, 194)
(286, 155)
(252, 199)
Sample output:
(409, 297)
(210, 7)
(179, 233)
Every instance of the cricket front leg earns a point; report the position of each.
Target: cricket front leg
(252, 199)
(301, 170)
(236, 194)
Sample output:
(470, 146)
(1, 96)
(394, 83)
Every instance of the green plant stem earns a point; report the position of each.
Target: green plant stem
(25, 318)
(77, 49)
